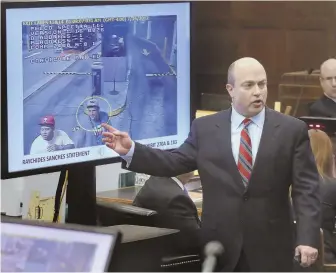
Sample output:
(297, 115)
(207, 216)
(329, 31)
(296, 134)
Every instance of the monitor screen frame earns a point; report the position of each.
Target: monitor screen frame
(74, 227)
(6, 5)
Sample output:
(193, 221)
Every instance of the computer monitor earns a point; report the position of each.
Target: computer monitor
(67, 67)
(327, 125)
(36, 247)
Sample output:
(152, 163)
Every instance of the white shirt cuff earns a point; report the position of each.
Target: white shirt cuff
(128, 157)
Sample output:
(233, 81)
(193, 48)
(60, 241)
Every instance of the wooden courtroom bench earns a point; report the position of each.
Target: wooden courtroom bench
(298, 89)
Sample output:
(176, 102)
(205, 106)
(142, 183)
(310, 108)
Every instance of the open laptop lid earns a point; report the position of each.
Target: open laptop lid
(30, 246)
(325, 124)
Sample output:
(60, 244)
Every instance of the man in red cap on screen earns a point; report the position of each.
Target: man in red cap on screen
(50, 139)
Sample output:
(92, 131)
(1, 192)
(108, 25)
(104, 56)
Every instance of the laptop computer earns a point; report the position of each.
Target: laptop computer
(327, 125)
(28, 246)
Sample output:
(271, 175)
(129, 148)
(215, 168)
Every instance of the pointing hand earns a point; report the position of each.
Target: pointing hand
(116, 140)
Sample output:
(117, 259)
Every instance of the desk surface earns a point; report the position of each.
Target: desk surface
(127, 195)
(133, 233)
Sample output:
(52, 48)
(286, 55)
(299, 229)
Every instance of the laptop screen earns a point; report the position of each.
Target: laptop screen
(27, 248)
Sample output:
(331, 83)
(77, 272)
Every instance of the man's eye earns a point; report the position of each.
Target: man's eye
(248, 85)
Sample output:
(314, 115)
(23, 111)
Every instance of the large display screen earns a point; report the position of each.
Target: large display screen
(69, 69)
(27, 248)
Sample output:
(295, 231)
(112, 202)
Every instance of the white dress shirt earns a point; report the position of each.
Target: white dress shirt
(255, 130)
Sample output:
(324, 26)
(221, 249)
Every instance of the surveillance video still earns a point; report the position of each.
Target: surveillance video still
(114, 71)
(131, 72)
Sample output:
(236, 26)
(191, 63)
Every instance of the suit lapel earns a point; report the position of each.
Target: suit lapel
(266, 145)
(225, 147)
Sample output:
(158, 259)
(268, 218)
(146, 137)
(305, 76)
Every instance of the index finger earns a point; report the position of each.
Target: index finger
(304, 260)
(108, 127)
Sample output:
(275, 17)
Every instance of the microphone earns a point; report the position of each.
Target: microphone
(211, 251)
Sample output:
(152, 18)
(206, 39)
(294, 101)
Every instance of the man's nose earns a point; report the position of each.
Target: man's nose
(257, 91)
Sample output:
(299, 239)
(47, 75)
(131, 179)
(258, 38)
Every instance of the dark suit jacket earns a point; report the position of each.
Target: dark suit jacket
(324, 107)
(175, 209)
(328, 192)
(257, 219)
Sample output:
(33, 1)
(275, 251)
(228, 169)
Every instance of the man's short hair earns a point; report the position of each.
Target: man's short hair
(230, 74)
(325, 63)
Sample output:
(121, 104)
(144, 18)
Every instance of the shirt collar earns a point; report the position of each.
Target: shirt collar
(178, 182)
(237, 119)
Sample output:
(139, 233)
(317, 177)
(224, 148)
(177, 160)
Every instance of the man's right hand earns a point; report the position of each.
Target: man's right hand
(118, 141)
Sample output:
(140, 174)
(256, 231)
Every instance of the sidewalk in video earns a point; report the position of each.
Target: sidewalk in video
(40, 74)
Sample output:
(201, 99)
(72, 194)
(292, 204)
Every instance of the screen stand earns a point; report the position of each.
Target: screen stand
(81, 195)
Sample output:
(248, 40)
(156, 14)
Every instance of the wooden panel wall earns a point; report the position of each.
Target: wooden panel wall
(283, 36)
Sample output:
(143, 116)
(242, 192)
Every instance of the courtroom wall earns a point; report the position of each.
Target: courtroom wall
(285, 36)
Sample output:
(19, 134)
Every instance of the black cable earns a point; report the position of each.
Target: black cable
(58, 195)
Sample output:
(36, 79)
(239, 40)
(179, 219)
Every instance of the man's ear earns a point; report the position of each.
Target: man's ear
(229, 88)
(321, 79)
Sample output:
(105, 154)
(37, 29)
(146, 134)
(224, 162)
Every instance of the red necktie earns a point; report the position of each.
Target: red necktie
(245, 154)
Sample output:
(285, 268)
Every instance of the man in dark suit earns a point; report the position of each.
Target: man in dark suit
(247, 158)
(170, 199)
(326, 105)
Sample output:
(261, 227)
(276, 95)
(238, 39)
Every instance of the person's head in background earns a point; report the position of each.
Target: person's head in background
(328, 78)
(323, 152)
(93, 109)
(47, 129)
(247, 86)
(185, 178)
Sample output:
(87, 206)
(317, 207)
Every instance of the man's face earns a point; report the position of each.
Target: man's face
(249, 91)
(93, 113)
(47, 132)
(328, 80)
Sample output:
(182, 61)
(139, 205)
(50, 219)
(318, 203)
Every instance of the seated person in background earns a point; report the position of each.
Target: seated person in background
(326, 105)
(322, 150)
(176, 210)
